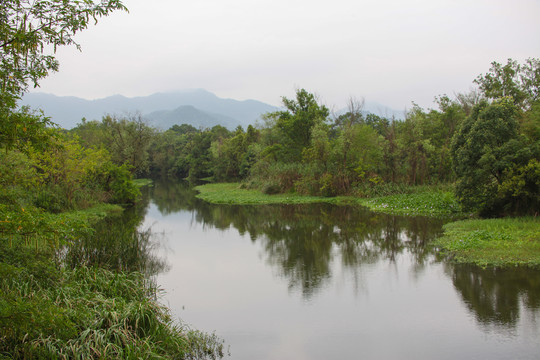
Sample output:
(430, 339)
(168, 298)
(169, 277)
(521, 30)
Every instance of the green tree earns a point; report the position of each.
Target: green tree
(227, 153)
(390, 168)
(446, 122)
(356, 156)
(416, 145)
(519, 81)
(30, 33)
(485, 151)
(90, 133)
(296, 123)
(128, 140)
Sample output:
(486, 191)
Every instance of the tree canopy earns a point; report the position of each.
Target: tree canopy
(30, 33)
(521, 82)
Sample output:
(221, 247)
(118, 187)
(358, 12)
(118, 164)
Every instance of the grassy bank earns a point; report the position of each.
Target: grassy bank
(232, 193)
(49, 312)
(426, 203)
(493, 242)
(142, 182)
(52, 309)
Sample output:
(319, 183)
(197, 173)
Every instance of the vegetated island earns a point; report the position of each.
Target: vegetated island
(424, 202)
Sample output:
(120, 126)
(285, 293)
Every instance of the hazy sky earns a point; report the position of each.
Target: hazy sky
(389, 51)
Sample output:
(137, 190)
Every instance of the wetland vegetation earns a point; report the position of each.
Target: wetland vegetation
(74, 285)
(494, 242)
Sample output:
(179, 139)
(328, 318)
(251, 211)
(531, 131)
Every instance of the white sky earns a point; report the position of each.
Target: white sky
(389, 51)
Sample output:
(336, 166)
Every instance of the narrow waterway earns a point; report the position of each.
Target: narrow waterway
(333, 282)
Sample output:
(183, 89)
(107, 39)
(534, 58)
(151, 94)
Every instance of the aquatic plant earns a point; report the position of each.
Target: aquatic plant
(493, 242)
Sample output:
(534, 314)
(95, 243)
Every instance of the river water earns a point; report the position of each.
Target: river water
(333, 282)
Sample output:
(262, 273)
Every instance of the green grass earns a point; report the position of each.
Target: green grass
(142, 182)
(427, 203)
(231, 193)
(493, 242)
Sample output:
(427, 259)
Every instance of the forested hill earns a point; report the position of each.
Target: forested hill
(196, 107)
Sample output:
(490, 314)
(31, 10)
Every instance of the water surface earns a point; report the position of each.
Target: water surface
(334, 282)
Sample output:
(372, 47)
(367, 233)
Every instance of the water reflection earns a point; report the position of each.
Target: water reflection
(118, 244)
(302, 242)
(496, 296)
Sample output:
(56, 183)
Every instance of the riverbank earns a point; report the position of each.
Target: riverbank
(427, 203)
(493, 242)
(51, 307)
(234, 194)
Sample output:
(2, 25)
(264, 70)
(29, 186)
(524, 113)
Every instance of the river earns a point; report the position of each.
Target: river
(332, 282)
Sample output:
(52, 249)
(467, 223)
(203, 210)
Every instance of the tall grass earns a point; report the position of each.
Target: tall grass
(47, 312)
(370, 190)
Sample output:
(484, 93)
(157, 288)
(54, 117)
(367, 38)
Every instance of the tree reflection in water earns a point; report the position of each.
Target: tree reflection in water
(302, 241)
(496, 296)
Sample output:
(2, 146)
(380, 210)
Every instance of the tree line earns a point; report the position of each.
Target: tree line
(485, 143)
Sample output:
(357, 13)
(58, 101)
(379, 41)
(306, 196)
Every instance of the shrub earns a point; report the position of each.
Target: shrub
(115, 180)
(50, 198)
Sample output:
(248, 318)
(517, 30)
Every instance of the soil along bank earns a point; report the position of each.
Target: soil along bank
(493, 242)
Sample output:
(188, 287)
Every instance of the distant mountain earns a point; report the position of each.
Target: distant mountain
(161, 108)
(187, 114)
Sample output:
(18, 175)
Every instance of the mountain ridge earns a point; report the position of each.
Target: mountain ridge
(164, 109)
(67, 111)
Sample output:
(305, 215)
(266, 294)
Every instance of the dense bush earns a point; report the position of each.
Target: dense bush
(116, 181)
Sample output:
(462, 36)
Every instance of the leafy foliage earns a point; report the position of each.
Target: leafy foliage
(30, 32)
(296, 123)
(521, 82)
(486, 151)
(47, 310)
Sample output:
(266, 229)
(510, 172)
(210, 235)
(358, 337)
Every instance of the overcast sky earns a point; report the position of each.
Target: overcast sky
(389, 51)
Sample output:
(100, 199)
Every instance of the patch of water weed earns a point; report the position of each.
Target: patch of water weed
(424, 203)
(493, 242)
(427, 203)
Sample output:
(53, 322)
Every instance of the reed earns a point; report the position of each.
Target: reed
(52, 312)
